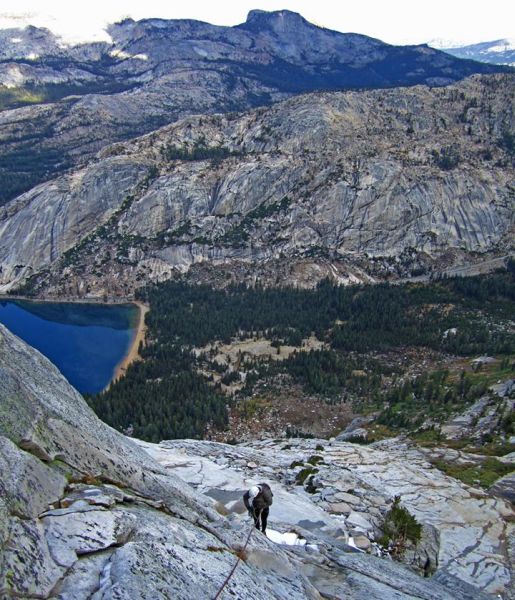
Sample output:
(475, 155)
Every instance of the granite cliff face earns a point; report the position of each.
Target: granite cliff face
(63, 103)
(348, 494)
(88, 513)
(354, 185)
(85, 513)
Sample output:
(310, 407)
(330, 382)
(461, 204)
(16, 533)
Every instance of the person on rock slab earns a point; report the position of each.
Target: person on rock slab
(258, 501)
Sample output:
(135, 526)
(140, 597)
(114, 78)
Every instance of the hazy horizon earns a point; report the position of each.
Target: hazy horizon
(395, 22)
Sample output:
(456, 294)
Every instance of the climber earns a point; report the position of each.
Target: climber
(258, 501)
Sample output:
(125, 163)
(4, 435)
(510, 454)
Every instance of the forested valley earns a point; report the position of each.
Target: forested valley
(181, 387)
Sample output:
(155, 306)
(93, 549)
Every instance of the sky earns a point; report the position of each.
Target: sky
(393, 21)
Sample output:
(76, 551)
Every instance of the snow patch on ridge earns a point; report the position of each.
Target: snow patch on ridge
(289, 538)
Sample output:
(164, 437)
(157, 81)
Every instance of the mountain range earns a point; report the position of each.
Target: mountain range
(274, 153)
(497, 52)
(406, 174)
(358, 186)
(62, 103)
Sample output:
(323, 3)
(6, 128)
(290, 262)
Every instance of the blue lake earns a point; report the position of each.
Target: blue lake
(85, 341)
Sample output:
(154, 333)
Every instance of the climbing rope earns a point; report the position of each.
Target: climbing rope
(228, 578)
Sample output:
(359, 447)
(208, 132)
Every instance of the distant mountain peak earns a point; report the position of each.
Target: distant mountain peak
(277, 20)
(441, 43)
(447, 44)
(499, 51)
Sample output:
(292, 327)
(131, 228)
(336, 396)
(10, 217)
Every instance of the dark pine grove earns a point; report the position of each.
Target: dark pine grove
(167, 396)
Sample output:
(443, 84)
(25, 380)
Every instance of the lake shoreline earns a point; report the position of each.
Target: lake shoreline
(139, 336)
(96, 301)
(133, 350)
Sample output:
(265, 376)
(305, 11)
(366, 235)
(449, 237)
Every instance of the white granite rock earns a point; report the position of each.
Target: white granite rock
(147, 533)
(359, 521)
(463, 525)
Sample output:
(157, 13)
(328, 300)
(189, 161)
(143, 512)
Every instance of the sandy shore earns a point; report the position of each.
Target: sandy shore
(133, 352)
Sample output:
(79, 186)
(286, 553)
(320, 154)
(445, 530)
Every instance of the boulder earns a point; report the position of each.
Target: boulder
(359, 521)
(362, 542)
(505, 487)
